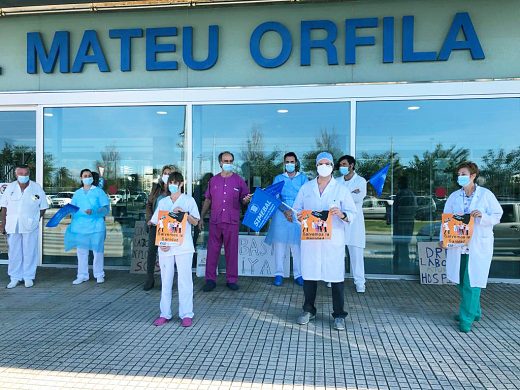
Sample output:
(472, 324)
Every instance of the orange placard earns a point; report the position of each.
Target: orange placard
(171, 228)
(456, 229)
(316, 225)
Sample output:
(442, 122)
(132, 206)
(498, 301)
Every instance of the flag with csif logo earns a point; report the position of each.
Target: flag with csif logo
(262, 206)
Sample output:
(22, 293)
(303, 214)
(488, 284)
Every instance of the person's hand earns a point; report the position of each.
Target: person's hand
(247, 198)
(441, 244)
(336, 211)
(288, 215)
(149, 223)
(201, 224)
(476, 214)
(356, 191)
(164, 248)
(89, 211)
(299, 215)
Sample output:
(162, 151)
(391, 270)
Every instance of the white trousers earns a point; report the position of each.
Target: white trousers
(97, 266)
(23, 255)
(184, 284)
(357, 264)
(279, 252)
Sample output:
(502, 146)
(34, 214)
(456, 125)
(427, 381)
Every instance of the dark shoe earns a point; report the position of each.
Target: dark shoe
(209, 286)
(464, 328)
(299, 281)
(278, 280)
(456, 317)
(148, 285)
(232, 286)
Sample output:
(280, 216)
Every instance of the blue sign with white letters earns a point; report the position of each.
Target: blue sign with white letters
(357, 35)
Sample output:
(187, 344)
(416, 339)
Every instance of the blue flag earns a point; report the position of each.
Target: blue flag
(260, 209)
(378, 179)
(62, 213)
(275, 189)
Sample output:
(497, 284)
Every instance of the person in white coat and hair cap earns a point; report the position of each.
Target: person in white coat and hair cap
(468, 266)
(325, 259)
(355, 231)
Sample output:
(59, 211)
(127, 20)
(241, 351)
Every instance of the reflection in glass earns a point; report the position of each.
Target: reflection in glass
(260, 134)
(424, 140)
(127, 146)
(17, 146)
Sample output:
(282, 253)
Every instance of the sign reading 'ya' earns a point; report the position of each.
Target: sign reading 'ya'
(162, 41)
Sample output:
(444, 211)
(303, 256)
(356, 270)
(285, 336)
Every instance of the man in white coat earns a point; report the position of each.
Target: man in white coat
(355, 231)
(23, 204)
(468, 266)
(325, 259)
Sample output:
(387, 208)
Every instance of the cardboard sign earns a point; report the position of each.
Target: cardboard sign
(140, 250)
(432, 263)
(316, 225)
(456, 229)
(171, 228)
(255, 258)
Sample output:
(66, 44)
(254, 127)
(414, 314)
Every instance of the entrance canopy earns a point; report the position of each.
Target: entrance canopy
(14, 7)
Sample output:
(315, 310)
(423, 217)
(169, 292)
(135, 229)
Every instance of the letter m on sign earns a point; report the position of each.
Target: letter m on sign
(59, 50)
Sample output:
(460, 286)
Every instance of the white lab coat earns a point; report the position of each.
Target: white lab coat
(23, 208)
(481, 243)
(325, 259)
(355, 231)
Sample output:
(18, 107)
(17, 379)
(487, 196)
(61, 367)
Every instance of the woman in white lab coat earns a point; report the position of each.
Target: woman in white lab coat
(355, 231)
(179, 256)
(325, 259)
(468, 266)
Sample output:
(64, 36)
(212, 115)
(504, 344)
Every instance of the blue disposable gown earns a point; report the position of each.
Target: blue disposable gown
(281, 230)
(88, 231)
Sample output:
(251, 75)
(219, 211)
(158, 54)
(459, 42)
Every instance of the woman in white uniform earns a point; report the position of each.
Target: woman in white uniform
(355, 231)
(468, 266)
(325, 259)
(180, 256)
(284, 232)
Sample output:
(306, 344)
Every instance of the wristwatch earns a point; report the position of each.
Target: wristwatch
(345, 218)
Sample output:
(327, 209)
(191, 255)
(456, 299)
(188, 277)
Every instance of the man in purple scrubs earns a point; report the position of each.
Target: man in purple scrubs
(225, 194)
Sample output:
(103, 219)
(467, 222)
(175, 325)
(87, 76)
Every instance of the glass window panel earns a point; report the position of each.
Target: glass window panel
(17, 146)
(424, 140)
(132, 144)
(260, 134)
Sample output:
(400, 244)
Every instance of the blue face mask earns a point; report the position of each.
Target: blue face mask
(23, 179)
(173, 188)
(290, 167)
(227, 167)
(343, 170)
(463, 181)
(87, 181)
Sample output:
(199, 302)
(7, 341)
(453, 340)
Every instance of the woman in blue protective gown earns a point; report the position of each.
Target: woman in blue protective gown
(284, 230)
(87, 229)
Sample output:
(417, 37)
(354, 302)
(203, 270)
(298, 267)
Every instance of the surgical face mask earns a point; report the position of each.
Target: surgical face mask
(324, 170)
(173, 188)
(165, 178)
(88, 181)
(343, 170)
(23, 179)
(227, 167)
(290, 167)
(463, 181)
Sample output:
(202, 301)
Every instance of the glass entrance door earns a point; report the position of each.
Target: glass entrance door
(17, 146)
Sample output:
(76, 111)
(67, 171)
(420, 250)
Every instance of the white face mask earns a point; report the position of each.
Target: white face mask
(165, 178)
(324, 170)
